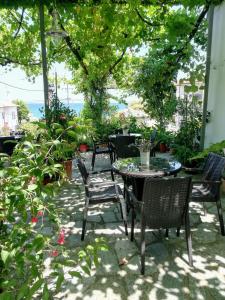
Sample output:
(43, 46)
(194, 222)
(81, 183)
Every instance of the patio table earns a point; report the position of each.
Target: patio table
(134, 173)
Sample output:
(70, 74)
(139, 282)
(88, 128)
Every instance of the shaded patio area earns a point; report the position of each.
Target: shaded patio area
(168, 275)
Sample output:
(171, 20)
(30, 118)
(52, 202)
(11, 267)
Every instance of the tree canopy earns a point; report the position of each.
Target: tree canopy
(105, 40)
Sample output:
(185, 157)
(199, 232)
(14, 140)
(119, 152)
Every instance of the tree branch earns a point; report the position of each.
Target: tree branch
(112, 67)
(8, 60)
(146, 21)
(192, 34)
(20, 23)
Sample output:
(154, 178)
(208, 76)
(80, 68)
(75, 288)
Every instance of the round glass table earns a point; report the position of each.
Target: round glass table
(133, 173)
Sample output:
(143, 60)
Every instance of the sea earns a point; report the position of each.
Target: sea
(34, 108)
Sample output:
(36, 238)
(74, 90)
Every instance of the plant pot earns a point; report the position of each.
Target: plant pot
(125, 131)
(68, 164)
(162, 147)
(145, 158)
(83, 148)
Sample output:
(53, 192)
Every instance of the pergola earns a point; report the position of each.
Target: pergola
(40, 5)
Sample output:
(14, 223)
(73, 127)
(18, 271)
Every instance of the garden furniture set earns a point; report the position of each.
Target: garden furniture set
(161, 200)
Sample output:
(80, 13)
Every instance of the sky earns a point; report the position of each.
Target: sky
(15, 85)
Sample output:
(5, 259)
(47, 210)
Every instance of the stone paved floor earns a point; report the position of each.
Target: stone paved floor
(168, 275)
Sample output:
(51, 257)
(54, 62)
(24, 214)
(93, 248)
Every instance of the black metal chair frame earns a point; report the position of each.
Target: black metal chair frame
(99, 189)
(125, 147)
(210, 183)
(153, 213)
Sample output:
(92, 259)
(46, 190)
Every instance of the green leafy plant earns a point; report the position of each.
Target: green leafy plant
(26, 204)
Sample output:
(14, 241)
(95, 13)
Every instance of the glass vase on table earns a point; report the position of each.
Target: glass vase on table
(144, 147)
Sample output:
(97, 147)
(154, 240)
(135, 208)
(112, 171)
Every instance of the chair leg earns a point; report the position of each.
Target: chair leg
(93, 161)
(142, 249)
(189, 242)
(84, 221)
(167, 232)
(124, 213)
(178, 231)
(220, 214)
(132, 224)
(204, 208)
(112, 175)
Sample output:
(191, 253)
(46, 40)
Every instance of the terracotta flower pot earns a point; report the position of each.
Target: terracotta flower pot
(68, 168)
(83, 148)
(162, 147)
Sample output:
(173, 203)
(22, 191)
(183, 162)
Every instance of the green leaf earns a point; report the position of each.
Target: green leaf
(7, 296)
(4, 255)
(75, 274)
(32, 187)
(23, 291)
(86, 270)
(59, 281)
(45, 294)
(36, 286)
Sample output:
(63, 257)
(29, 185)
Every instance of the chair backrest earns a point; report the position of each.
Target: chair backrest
(83, 171)
(122, 146)
(165, 201)
(213, 169)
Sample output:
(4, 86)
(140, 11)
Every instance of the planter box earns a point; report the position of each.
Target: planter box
(68, 164)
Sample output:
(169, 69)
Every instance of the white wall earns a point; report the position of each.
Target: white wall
(8, 117)
(215, 129)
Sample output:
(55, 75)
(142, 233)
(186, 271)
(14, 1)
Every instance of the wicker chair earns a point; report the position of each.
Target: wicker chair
(101, 147)
(122, 146)
(164, 205)
(102, 192)
(208, 188)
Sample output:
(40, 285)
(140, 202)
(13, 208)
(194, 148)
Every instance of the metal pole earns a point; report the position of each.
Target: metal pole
(207, 74)
(44, 59)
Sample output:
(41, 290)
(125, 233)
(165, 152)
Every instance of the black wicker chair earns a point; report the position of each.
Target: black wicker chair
(102, 192)
(164, 205)
(124, 146)
(101, 147)
(208, 188)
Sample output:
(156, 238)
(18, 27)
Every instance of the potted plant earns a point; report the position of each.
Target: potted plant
(144, 148)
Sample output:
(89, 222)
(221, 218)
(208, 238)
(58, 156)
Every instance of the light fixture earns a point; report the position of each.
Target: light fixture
(56, 33)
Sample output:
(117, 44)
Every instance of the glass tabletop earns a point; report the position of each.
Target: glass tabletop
(158, 167)
(113, 136)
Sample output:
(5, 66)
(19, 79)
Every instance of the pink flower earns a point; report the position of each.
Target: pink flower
(55, 253)
(34, 220)
(40, 213)
(33, 180)
(61, 239)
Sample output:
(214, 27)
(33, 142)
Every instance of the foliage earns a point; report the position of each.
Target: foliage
(26, 204)
(58, 112)
(217, 148)
(22, 110)
(186, 142)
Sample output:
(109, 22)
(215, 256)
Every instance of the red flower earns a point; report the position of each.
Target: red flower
(55, 253)
(34, 219)
(61, 239)
(40, 213)
(62, 117)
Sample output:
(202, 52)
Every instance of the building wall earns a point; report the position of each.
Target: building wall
(8, 118)
(215, 128)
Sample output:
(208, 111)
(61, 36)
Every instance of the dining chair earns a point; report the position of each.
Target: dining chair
(208, 188)
(164, 205)
(98, 193)
(101, 147)
(124, 146)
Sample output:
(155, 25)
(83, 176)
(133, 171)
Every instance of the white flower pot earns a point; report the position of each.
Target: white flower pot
(145, 158)
(125, 131)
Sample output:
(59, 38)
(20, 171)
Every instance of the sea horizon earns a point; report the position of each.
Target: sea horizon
(34, 107)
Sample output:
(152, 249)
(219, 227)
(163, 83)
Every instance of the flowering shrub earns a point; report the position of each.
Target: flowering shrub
(26, 203)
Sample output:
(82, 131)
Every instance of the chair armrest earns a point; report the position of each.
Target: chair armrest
(194, 170)
(210, 182)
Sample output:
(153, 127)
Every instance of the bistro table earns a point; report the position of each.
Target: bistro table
(133, 173)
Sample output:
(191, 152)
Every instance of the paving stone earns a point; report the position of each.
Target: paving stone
(204, 234)
(158, 251)
(125, 248)
(109, 263)
(109, 217)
